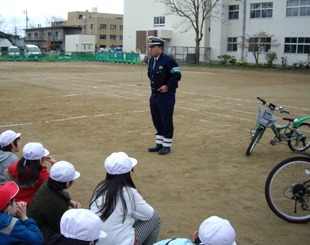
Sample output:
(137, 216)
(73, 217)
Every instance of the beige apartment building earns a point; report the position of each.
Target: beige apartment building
(107, 28)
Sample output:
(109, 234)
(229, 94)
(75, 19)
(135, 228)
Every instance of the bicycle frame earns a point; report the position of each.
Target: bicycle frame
(300, 121)
(280, 130)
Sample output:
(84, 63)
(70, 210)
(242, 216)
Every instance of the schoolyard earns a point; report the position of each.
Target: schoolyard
(84, 111)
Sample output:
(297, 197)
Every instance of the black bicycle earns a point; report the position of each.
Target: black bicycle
(287, 189)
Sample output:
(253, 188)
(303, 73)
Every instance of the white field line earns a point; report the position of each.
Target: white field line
(119, 87)
(122, 85)
(71, 118)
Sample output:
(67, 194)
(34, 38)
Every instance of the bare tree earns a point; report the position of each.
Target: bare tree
(258, 43)
(2, 21)
(50, 20)
(194, 14)
(14, 23)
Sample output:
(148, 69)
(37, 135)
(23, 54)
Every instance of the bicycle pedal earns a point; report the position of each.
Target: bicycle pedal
(288, 135)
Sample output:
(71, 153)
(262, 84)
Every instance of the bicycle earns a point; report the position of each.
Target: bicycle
(287, 189)
(296, 132)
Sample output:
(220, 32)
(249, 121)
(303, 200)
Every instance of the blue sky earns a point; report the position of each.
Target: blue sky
(12, 12)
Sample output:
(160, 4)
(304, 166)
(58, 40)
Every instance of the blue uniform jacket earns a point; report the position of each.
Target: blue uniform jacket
(165, 72)
(13, 231)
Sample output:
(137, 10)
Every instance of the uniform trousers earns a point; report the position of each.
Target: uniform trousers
(162, 108)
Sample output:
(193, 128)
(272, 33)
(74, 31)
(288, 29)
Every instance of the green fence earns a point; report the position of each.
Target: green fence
(115, 57)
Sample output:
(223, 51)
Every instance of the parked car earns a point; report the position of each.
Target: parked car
(32, 51)
(13, 51)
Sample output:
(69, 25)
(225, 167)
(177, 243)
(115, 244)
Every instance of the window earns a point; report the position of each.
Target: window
(57, 35)
(232, 44)
(298, 8)
(259, 44)
(102, 26)
(81, 17)
(92, 26)
(29, 35)
(112, 27)
(49, 35)
(159, 21)
(121, 27)
(300, 45)
(261, 10)
(112, 37)
(121, 37)
(233, 13)
(103, 36)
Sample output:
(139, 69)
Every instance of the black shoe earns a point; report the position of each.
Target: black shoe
(164, 150)
(156, 148)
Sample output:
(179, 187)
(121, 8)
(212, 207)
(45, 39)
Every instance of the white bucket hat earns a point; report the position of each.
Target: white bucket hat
(8, 137)
(34, 151)
(119, 163)
(63, 171)
(216, 231)
(81, 224)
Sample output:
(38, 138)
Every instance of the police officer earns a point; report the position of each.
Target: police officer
(164, 74)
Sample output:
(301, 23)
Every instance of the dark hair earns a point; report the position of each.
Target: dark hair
(9, 147)
(59, 239)
(112, 188)
(2, 211)
(59, 187)
(9, 204)
(28, 170)
(197, 241)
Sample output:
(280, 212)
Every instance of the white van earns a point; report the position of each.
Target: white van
(13, 51)
(32, 51)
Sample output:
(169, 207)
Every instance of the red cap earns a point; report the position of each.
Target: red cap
(7, 192)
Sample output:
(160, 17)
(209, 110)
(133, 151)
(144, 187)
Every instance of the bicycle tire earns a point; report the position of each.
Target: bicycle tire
(304, 128)
(285, 179)
(257, 136)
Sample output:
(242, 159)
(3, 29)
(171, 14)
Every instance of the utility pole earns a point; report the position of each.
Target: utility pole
(243, 30)
(85, 24)
(25, 12)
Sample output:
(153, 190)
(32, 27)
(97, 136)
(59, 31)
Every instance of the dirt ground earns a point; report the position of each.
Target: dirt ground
(84, 111)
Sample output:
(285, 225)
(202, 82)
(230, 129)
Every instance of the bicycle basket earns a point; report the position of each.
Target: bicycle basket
(265, 117)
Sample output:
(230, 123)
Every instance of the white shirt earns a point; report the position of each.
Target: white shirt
(118, 232)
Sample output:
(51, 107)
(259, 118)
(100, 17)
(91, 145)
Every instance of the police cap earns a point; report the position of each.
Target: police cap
(153, 41)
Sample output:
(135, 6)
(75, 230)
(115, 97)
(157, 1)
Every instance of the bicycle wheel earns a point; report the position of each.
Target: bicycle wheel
(257, 136)
(287, 189)
(300, 143)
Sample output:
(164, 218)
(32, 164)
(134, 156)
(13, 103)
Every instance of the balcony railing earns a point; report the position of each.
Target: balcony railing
(44, 38)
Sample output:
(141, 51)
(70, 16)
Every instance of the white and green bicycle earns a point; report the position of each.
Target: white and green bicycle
(296, 131)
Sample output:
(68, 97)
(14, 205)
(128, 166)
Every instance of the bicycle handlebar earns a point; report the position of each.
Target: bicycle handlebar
(263, 101)
(272, 106)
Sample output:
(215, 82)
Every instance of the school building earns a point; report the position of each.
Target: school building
(233, 28)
